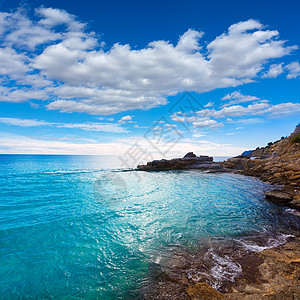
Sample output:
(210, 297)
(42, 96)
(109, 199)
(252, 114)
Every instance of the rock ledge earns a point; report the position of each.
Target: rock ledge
(189, 161)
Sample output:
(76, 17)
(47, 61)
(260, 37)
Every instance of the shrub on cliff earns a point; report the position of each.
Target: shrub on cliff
(296, 139)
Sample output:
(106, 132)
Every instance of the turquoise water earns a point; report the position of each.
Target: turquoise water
(77, 227)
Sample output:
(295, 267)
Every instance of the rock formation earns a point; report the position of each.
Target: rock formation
(189, 161)
(275, 276)
(278, 163)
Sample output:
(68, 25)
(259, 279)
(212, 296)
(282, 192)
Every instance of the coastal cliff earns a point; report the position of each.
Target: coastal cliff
(278, 163)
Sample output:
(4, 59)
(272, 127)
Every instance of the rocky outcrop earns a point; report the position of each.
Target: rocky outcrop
(189, 161)
(278, 163)
(276, 276)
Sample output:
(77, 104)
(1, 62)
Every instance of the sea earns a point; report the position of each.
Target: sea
(83, 227)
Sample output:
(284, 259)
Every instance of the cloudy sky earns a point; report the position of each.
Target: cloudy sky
(156, 78)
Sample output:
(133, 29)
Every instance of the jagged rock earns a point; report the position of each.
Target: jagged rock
(189, 161)
(278, 163)
(289, 190)
(278, 197)
(190, 155)
(293, 167)
(278, 274)
(203, 291)
(295, 203)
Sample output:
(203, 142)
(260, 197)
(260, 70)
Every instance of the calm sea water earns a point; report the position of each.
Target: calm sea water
(77, 227)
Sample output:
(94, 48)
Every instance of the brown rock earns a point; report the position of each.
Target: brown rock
(278, 197)
(293, 167)
(289, 190)
(295, 177)
(289, 173)
(203, 291)
(295, 203)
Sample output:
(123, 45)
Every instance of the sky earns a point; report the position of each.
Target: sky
(147, 78)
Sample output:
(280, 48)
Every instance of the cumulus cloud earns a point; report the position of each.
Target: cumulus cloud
(274, 71)
(75, 74)
(196, 121)
(125, 119)
(294, 70)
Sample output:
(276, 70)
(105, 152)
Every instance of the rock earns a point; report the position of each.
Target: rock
(278, 197)
(289, 190)
(190, 155)
(210, 166)
(204, 158)
(295, 203)
(278, 273)
(277, 163)
(293, 167)
(203, 291)
(189, 161)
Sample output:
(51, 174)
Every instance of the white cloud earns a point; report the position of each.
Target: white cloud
(274, 71)
(88, 126)
(23, 122)
(21, 95)
(77, 75)
(104, 127)
(53, 17)
(12, 63)
(249, 121)
(237, 97)
(294, 70)
(140, 127)
(235, 111)
(197, 122)
(283, 109)
(203, 122)
(125, 119)
(242, 52)
(258, 108)
(209, 104)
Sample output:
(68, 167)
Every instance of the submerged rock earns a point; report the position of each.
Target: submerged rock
(189, 161)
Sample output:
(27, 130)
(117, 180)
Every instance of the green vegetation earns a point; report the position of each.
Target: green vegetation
(296, 139)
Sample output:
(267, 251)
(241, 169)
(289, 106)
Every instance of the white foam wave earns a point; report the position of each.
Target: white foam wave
(271, 243)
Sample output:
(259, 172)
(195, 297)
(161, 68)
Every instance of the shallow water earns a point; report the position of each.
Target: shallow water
(77, 227)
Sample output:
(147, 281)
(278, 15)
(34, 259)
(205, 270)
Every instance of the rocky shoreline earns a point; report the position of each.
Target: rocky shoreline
(269, 274)
(273, 273)
(277, 164)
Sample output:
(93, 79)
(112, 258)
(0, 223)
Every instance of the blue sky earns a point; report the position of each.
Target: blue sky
(151, 78)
